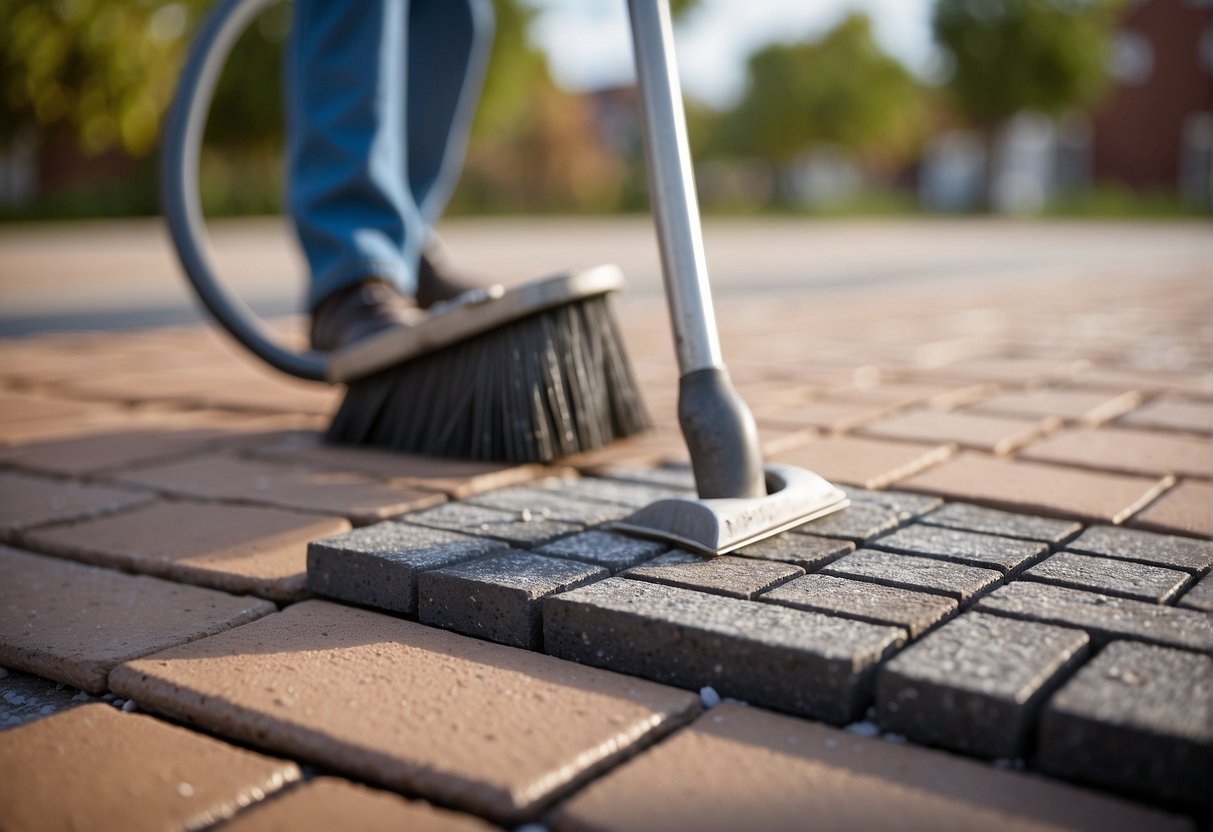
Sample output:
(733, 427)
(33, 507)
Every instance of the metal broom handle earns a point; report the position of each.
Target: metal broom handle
(716, 423)
(672, 188)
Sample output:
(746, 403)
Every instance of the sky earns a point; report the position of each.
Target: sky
(588, 44)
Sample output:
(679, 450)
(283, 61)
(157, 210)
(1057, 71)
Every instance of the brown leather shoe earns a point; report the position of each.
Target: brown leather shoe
(359, 311)
(437, 281)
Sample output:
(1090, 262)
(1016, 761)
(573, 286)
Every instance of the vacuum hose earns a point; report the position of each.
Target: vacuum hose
(179, 196)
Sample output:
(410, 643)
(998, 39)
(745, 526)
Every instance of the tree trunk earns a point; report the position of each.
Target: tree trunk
(989, 167)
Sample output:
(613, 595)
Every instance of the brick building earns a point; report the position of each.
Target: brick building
(1155, 130)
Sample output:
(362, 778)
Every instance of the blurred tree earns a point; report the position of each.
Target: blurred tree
(534, 146)
(1012, 55)
(92, 77)
(840, 90)
(97, 71)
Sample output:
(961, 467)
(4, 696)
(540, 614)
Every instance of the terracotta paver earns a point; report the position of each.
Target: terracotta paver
(456, 478)
(27, 500)
(907, 393)
(241, 549)
(1126, 451)
(870, 463)
(30, 418)
(19, 408)
(1172, 414)
(1185, 509)
(1038, 488)
(745, 768)
(138, 440)
(831, 417)
(75, 623)
(236, 385)
(1021, 372)
(1112, 378)
(1092, 407)
(94, 767)
(329, 803)
(226, 477)
(410, 707)
(995, 434)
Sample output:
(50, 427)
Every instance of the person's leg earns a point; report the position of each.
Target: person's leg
(347, 145)
(449, 42)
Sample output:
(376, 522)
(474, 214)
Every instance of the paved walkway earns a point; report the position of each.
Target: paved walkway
(207, 616)
(122, 273)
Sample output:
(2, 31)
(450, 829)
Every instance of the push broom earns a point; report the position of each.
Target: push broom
(538, 371)
(527, 374)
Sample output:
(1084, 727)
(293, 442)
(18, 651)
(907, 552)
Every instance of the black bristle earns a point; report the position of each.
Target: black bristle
(548, 385)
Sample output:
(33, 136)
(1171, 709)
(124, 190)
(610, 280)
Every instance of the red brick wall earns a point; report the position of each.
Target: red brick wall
(1139, 130)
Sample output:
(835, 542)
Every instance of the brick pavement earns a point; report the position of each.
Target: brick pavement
(1023, 581)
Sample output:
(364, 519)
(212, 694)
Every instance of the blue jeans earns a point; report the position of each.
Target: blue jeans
(380, 100)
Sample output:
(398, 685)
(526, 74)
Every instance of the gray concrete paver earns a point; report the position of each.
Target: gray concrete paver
(1190, 554)
(499, 597)
(807, 551)
(518, 528)
(1005, 523)
(974, 684)
(1123, 578)
(727, 575)
(809, 664)
(377, 566)
(1135, 718)
(609, 549)
(1007, 555)
(1105, 618)
(876, 603)
(943, 577)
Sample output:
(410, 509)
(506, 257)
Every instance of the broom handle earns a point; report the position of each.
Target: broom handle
(717, 425)
(672, 188)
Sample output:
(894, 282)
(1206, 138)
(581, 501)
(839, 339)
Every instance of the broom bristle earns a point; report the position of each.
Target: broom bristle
(545, 386)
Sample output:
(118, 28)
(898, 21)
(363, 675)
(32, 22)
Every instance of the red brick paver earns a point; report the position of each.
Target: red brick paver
(1038, 488)
(139, 439)
(1012, 372)
(27, 500)
(239, 549)
(328, 803)
(225, 477)
(744, 768)
(456, 478)
(995, 434)
(94, 767)
(1092, 407)
(492, 728)
(1126, 451)
(1186, 509)
(75, 623)
(1173, 414)
(870, 463)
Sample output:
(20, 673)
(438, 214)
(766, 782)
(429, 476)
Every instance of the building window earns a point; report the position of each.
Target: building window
(1131, 58)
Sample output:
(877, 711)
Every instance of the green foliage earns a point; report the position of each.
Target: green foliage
(842, 90)
(1113, 201)
(247, 111)
(1011, 55)
(516, 70)
(97, 71)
